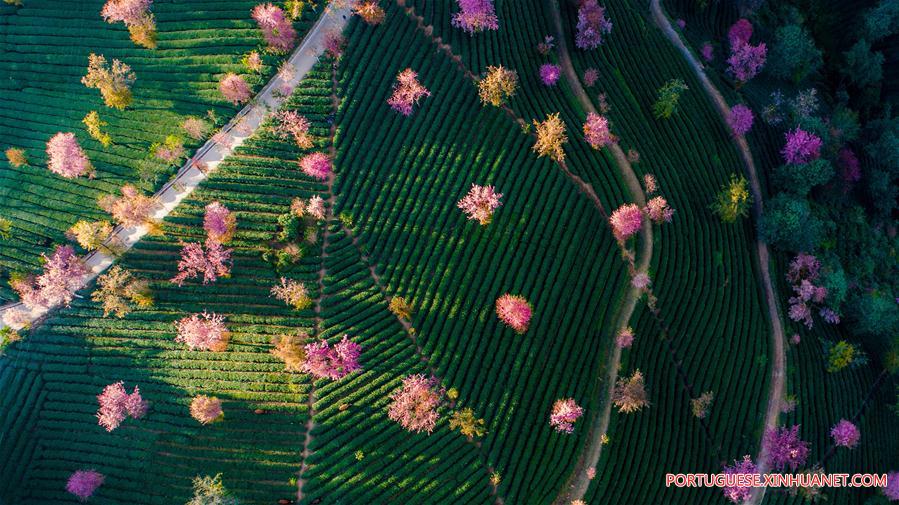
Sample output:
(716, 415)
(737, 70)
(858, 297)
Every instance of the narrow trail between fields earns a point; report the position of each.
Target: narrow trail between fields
(776, 386)
(208, 157)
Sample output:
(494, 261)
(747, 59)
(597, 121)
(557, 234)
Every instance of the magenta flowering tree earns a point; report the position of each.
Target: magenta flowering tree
(591, 75)
(316, 165)
(785, 448)
(203, 332)
(84, 483)
(407, 91)
(746, 61)
(137, 17)
(592, 24)
(801, 147)
(549, 74)
(891, 490)
(219, 223)
(480, 202)
(739, 494)
(326, 362)
(116, 405)
(739, 33)
(708, 52)
(597, 132)
(206, 409)
(235, 89)
(276, 28)
(658, 210)
(475, 16)
(740, 119)
(564, 414)
(804, 271)
(414, 405)
(845, 434)
(514, 311)
(641, 280)
(625, 337)
(56, 285)
(211, 262)
(626, 221)
(66, 158)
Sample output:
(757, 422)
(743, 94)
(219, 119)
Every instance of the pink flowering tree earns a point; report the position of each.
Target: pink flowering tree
(206, 409)
(845, 434)
(291, 124)
(591, 75)
(212, 262)
(740, 119)
(597, 132)
(292, 293)
(116, 405)
(785, 448)
(641, 280)
(219, 223)
(707, 52)
(650, 184)
(316, 165)
(326, 362)
(801, 147)
(626, 221)
(235, 89)
(746, 60)
(407, 91)
(131, 209)
(625, 337)
(203, 332)
(480, 202)
(803, 273)
(56, 285)
(891, 490)
(514, 311)
(276, 28)
(658, 210)
(414, 405)
(549, 74)
(66, 158)
(564, 414)
(475, 16)
(740, 32)
(84, 483)
(136, 16)
(739, 494)
(592, 24)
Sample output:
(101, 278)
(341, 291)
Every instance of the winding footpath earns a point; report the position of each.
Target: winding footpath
(776, 382)
(208, 157)
(577, 485)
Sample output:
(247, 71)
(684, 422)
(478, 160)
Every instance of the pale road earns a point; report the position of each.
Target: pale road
(576, 486)
(776, 382)
(213, 152)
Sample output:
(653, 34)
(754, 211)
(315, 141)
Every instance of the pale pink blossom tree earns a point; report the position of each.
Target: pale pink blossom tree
(407, 91)
(414, 405)
(326, 362)
(316, 165)
(315, 207)
(592, 24)
(514, 311)
(801, 147)
(235, 89)
(206, 409)
(626, 221)
(219, 223)
(131, 209)
(212, 262)
(292, 124)
(650, 184)
(641, 280)
(475, 16)
(739, 494)
(785, 448)
(17, 319)
(658, 210)
(591, 75)
(564, 414)
(136, 16)
(845, 434)
(740, 119)
(292, 293)
(597, 132)
(84, 483)
(66, 158)
(480, 203)
(116, 405)
(625, 337)
(276, 28)
(56, 285)
(203, 332)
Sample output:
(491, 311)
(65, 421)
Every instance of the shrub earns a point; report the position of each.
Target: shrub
(116, 405)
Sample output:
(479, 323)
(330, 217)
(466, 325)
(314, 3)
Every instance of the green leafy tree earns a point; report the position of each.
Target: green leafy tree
(788, 223)
(800, 179)
(793, 54)
(669, 96)
(863, 66)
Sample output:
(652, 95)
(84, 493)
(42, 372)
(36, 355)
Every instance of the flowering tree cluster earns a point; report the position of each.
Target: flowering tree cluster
(740, 119)
(625, 337)
(514, 311)
(370, 12)
(94, 126)
(739, 494)
(118, 290)
(497, 86)
(414, 405)
(219, 223)
(116, 405)
(550, 73)
(801, 147)
(203, 332)
(56, 285)
(845, 434)
(564, 414)
(16, 157)
(113, 82)
(700, 406)
(206, 409)
(212, 261)
(626, 221)
(407, 91)
(785, 448)
(804, 271)
(84, 483)
(629, 394)
(131, 209)
(66, 158)
(658, 210)
(550, 137)
(291, 124)
(316, 165)
(480, 202)
(475, 16)
(314, 207)
(235, 89)
(326, 362)
(465, 421)
(746, 60)
(592, 24)
(276, 28)
(137, 17)
(292, 293)
(289, 349)
(597, 132)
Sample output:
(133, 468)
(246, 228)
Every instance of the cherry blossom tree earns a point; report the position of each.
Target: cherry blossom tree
(290, 123)
(203, 332)
(290, 349)
(370, 12)
(625, 337)
(113, 82)
(212, 262)
(650, 184)
(17, 319)
(891, 490)
(497, 86)
(592, 24)
(326, 362)
(334, 44)
(292, 293)
(66, 158)
(515, 312)
(195, 128)
(219, 223)
(116, 405)
(206, 409)
(626, 221)
(276, 29)
(235, 89)
(131, 209)
(316, 165)
(803, 272)
(16, 157)
(739, 494)
(56, 285)
(629, 394)
(550, 137)
(597, 132)
(84, 483)
(315, 208)
(740, 32)
(591, 75)
(801, 147)
(414, 405)
(549, 74)
(136, 16)
(119, 291)
(475, 16)
(407, 91)
(740, 119)
(564, 414)
(480, 202)
(746, 61)
(785, 448)
(641, 280)
(845, 434)
(658, 210)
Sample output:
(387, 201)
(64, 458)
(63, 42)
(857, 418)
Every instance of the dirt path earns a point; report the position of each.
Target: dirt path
(776, 382)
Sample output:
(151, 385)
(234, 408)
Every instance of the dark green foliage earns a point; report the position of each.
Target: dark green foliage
(875, 314)
(883, 20)
(793, 54)
(863, 66)
(788, 223)
(800, 179)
